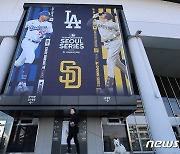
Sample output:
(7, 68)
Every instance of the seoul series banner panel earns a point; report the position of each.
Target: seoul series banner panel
(65, 51)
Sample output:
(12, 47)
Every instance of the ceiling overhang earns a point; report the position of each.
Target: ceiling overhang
(174, 1)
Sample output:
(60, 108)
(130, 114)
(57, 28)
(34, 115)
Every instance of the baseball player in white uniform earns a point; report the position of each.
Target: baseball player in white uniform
(109, 32)
(37, 30)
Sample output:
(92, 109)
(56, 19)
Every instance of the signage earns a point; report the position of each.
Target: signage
(70, 51)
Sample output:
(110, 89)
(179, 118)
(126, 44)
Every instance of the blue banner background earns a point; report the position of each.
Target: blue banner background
(85, 59)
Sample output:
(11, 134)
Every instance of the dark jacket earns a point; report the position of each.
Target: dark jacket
(74, 129)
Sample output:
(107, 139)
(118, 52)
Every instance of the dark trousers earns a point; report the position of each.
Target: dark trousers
(70, 136)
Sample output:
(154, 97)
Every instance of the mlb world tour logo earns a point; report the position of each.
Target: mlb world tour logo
(72, 78)
(162, 144)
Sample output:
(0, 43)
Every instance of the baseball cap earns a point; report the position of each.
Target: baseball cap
(109, 16)
(45, 13)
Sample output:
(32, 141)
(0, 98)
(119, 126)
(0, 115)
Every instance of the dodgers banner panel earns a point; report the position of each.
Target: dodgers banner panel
(70, 51)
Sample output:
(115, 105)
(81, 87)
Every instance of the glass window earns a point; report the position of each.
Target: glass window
(134, 138)
(2, 138)
(23, 137)
(144, 137)
(178, 81)
(6, 123)
(174, 106)
(140, 109)
(139, 137)
(175, 87)
(167, 87)
(176, 130)
(167, 106)
(160, 86)
(114, 131)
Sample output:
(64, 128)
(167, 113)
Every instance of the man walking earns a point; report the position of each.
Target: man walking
(73, 131)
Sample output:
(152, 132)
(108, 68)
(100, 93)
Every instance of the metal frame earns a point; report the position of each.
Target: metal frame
(131, 103)
(27, 124)
(114, 124)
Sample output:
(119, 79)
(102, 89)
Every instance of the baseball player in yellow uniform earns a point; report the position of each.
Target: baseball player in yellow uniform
(109, 32)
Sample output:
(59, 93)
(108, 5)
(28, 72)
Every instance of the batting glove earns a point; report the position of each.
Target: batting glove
(95, 15)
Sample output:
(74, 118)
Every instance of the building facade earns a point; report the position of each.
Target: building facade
(151, 38)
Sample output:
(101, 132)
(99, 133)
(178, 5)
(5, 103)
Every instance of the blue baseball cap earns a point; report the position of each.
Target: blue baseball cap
(44, 13)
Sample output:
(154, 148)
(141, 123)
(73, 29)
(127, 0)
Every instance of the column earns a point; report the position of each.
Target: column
(44, 137)
(155, 111)
(7, 49)
(94, 136)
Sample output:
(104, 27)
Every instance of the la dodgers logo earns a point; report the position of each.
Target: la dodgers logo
(73, 20)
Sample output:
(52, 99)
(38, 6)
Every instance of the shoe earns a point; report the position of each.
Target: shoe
(106, 91)
(22, 88)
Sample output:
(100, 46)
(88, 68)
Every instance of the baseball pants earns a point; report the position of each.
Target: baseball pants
(113, 58)
(28, 52)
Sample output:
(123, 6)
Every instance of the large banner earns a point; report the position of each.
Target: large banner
(67, 51)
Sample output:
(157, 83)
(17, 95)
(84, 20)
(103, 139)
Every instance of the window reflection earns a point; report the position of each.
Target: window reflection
(139, 137)
(111, 131)
(134, 138)
(6, 123)
(23, 137)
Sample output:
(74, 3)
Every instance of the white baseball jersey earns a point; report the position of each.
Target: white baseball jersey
(106, 28)
(37, 30)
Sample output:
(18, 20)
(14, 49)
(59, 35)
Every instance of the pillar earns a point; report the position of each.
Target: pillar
(156, 115)
(7, 49)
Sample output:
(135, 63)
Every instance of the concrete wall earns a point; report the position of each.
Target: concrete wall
(153, 17)
(94, 136)
(44, 137)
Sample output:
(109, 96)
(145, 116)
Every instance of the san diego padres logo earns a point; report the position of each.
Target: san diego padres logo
(72, 78)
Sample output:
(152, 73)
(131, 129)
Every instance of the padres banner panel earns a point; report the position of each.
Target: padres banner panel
(65, 51)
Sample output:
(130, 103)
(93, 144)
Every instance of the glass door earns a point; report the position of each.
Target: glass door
(114, 128)
(60, 133)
